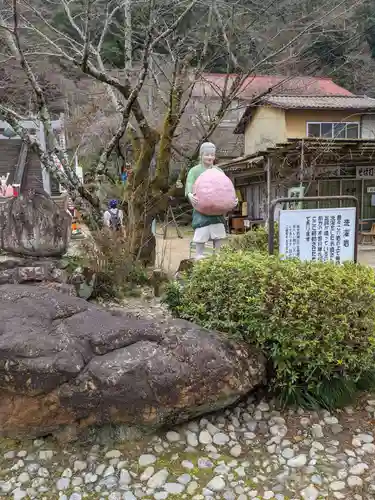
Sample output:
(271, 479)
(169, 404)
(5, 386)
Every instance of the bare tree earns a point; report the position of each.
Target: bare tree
(180, 43)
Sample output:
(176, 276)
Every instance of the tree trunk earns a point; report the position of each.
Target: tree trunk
(139, 232)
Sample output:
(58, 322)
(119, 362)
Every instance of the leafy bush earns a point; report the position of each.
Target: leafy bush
(256, 240)
(107, 254)
(314, 321)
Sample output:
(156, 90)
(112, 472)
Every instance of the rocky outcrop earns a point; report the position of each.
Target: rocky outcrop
(66, 364)
(33, 225)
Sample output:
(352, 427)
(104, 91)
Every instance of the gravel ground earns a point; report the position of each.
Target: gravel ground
(250, 451)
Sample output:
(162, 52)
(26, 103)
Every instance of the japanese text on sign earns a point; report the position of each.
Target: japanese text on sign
(319, 235)
(365, 172)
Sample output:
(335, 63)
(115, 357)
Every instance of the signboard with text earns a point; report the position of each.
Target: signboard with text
(318, 235)
(365, 173)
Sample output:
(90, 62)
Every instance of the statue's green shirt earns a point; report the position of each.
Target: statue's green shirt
(200, 220)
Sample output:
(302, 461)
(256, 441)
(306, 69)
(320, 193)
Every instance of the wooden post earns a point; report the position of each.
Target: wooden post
(268, 173)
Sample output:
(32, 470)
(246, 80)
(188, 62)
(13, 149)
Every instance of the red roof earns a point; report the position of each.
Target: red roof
(212, 84)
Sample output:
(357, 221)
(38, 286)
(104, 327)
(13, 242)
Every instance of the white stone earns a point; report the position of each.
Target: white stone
(63, 484)
(268, 495)
(263, 406)
(23, 478)
(297, 462)
(128, 495)
(184, 478)
(337, 485)
(173, 437)
(216, 484)
(354, 482)
(186, 464)
(125, 477)
(358, 469)
(236, 451)
(42, 472)
(113, 454)
(18, 494)
(67, 473)
(191, 439)
(365, 438)
(90, 478)
(310, 493)
(331, 420)
(287, 453)
(145, 460)
(192, 488)
(158, 479)
(279, 430)
(317, 431)
(79, 466)
(369, 448)
(148, 472)
(174, 488)
(205, 437)
(221, 439)
(45, 454)
(109, 471)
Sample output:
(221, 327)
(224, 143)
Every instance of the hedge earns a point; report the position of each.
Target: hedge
(315, 322)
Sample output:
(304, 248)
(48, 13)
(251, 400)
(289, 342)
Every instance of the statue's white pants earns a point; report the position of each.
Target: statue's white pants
(212, 232)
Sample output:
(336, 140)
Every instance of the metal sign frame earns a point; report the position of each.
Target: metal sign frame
(274, 203)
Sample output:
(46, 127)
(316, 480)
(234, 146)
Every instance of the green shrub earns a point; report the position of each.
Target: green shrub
(314, 321)
(256, 240)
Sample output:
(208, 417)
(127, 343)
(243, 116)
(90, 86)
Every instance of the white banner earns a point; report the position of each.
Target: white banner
(319, 235)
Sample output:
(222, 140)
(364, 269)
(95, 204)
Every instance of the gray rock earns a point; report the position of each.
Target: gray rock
(174, 488)
(128, 495)
(63, 483)
(221, 439)
(18, 494)
(297, 462)
(236, 451)
(317, 431)
(337, 486)
(158, 479)
(113, 454)
(23, 478)
(44, 229)
(64, 357)
(191, 439)
(310, 493)
(354, 482)
(216, 484)
(145, 460)
(173, 437)
(205, 437)
(75, 496)
(125, 477)
(358, 469)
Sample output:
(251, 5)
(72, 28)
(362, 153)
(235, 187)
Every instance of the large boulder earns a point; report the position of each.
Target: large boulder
(67, 364)
(33, 225)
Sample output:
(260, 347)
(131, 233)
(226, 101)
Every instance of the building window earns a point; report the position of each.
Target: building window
(333, 130)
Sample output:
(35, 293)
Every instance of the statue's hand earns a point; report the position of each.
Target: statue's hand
(193, 199)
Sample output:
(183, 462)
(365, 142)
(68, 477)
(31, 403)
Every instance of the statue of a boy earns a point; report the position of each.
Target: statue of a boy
(206, 227)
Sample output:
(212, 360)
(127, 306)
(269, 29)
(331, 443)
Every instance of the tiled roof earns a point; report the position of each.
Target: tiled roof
(212, 85)
(320, 102)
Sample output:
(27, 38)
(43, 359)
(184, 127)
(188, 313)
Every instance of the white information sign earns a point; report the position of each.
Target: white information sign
(365, 173)
(319, 235)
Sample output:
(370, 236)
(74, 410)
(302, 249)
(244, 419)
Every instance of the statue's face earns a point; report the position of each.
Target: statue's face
(208, 159)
